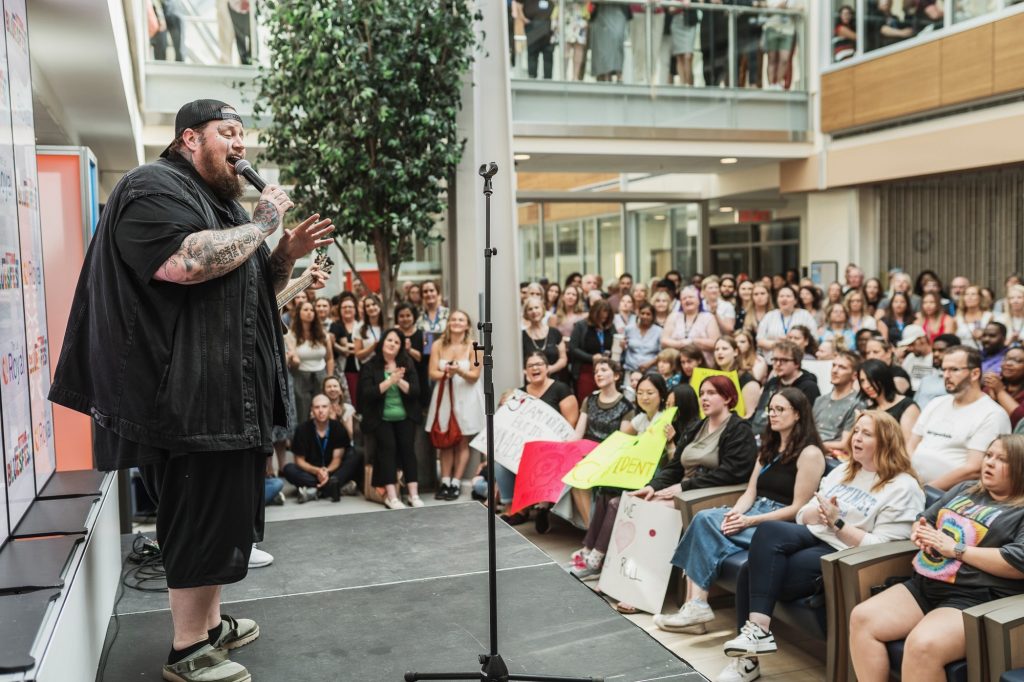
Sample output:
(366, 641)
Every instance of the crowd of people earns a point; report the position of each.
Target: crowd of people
(765, 42)
(927, 384)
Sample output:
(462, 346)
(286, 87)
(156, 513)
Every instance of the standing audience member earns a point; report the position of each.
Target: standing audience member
(661, 301)
(1012, 316)
(591, 339)
(551, 298)
(324, 458)
(625, 312)
(569, 312)
(344, 341)
(371, 325)
(881, 393)
(389, 404)
(607, 40)
(455, 372)
(432, 320)
(783, 479)
(871, 499)
(310, 357)
(412, 336)
(970, 553)
(777, 323)
(684, 23)
(323, 311)
(538, 336)
(537, 25)
(1007, 386)
(951, 435)
(835, 412)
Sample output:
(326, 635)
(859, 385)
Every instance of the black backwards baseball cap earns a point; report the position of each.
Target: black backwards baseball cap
(198, 112)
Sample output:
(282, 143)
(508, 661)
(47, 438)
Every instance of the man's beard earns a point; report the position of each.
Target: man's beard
(221, 179)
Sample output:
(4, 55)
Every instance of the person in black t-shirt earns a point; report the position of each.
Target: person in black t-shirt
(324, 460)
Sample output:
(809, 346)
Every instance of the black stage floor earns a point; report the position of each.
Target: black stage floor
(366, 597)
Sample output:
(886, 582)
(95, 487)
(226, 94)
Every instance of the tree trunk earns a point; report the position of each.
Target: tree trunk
(382, 250)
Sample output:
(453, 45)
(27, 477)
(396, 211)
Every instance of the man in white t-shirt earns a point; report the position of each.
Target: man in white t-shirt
(953, 432)
(918, 362)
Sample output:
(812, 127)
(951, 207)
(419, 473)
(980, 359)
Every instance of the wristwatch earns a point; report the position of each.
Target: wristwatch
(839, 524)
(958, 551)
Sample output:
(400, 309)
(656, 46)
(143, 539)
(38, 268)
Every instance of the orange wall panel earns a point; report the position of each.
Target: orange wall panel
(837, 100)
(1008, 49)
(60, 209)
(904, 83)
(967, 66)
(560, 182)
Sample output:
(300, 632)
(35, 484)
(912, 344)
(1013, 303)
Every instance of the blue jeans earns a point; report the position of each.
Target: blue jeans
(704, 546)
(271, 487)
(506, 483)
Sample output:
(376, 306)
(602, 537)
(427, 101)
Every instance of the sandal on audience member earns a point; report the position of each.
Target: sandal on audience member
(206, 665)
(625, 609)
(235, 633)
(516, 519)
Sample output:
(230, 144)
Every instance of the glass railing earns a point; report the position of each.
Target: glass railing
(740, 44)
(208, 32)
(859, 27)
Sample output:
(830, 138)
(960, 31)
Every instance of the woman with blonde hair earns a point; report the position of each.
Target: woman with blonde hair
(871, 499)
(661, 301)
(569, 311)
(453, 367)
(539, 336)
(728, 359)
(749, 359)
(1012, 316)
(760, 305)
(970, 553)
(972, 314)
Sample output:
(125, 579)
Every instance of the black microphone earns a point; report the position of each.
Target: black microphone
(245, 169)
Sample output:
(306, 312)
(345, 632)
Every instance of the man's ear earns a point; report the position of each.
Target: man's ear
(190, 138)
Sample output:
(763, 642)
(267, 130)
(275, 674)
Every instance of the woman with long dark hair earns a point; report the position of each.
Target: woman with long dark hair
(591, 339)
(370, 327)
(785, 476)
(344, 330)
(388, 400)
(897, 316)
(309, 351)
(878, 386)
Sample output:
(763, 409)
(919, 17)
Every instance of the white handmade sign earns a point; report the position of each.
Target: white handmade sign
(637, 566)
(522, 419)
(822, 371)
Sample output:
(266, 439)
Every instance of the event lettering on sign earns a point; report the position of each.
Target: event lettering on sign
(521, 420)
(622, 460)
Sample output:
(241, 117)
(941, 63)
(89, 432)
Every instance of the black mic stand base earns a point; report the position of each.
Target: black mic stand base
(493, 668)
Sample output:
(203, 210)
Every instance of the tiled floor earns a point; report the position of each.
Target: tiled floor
(703, 652)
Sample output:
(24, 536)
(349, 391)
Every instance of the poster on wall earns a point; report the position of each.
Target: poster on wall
(15, 405)
(26, 182)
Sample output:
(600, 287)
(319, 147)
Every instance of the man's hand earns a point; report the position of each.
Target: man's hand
(322, 477)
(319, 277)
(311, 233)
(272, 206)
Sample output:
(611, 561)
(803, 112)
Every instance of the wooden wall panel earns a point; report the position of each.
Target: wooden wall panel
(904, 83)
(560, 182)
(1008, 56)
(967, 66)
(837, 100)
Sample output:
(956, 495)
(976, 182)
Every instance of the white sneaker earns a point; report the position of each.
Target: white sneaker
(259, 558)
(349, 489)
(752, 641)
(415, 501)
(740, 669)
(394, 503)
(692, 613)
(306, 494)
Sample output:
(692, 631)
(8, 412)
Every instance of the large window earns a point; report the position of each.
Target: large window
(757, 249)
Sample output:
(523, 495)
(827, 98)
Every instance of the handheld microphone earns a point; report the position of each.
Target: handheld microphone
(245, 169)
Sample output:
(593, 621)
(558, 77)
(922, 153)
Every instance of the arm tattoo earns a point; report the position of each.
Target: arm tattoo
(211, 253)
(280, 270)
(266, 216)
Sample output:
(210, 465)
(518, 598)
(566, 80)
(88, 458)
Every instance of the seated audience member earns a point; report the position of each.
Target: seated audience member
(1012, 315)
(878, 348)
(897, 317)
(553, 393)
(623, 287)
(642, 341)
(690, 358)
(917, 362)
(873, 498)
(591, 338)
(717, 450)
(324, 459)
(952, 433)
(661, 301)
(669, 368)
(835, 412)
(786, 361)
(827, 350)
(970, 553)
(727, 359)
(861, 339)
(806, 339)
(690, 326)
(872, 295)
(834, 293)
(1007, 387)
(749, 359)
(810, 300)
(273, 487)
(756, 301)
(900, 282)
(837, 325)
(972, 314)
(712, 302)
(933, 318)
(993, 347)
(999, 307)
(859, 316)
(881, 393)
(389, 403)
(785, 476)
(777, 323)
(934, 385)
(341, 409)
(651, 397)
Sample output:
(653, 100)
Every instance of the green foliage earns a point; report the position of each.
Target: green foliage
(362, 96)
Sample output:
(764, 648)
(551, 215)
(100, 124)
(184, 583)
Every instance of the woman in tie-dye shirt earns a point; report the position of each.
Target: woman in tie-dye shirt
(972, 551)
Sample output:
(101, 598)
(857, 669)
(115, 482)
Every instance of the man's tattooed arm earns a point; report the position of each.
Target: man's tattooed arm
(212, 253)
(280, 269)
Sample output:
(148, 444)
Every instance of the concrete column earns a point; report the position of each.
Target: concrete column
(832, 230)
(485, 122)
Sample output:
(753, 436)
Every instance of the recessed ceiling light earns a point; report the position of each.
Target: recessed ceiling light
(521, 157)
(725, 209)
(659, 217)
(730, 159)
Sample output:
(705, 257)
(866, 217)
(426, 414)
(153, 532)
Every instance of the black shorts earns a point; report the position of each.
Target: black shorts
(210, 511)
(935, 594)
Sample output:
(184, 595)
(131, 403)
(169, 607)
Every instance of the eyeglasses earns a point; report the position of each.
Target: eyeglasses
(781, 361)
(776, 410)
(536, 366)
(950, 370)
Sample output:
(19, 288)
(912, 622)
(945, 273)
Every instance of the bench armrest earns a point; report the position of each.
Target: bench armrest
(689, 502)
(996, 629)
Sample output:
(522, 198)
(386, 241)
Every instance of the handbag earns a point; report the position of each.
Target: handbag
(439, 438)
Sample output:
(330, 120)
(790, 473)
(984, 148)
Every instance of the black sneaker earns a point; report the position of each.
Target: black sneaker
(542, 521)
(442, 492)
(516, 519)
(453, 492)
(332, 489)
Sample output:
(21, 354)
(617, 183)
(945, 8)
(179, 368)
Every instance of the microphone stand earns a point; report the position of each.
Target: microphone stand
(493, 668)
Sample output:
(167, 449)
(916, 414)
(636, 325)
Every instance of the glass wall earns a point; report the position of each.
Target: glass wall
(202, 31)
(861, 26)
(758, 249)
(556, 239)
(666, 43)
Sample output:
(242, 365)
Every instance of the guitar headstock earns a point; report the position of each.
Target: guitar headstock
(324, 263)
